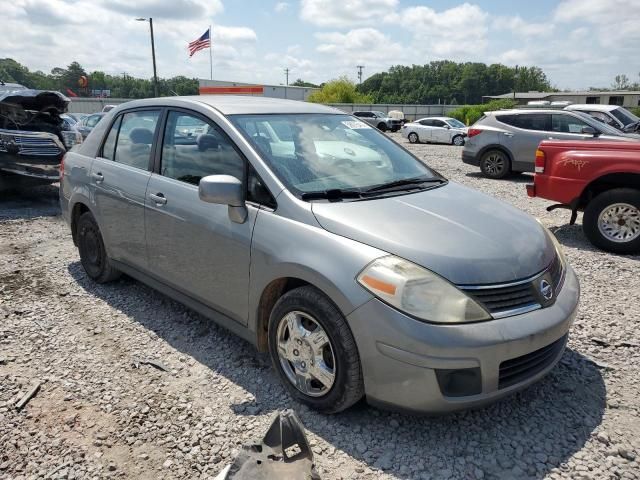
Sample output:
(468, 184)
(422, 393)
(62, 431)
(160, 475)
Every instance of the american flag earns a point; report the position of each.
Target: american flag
(203, 42)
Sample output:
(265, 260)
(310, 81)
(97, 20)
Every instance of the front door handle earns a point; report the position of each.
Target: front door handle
(98, 177)
(159, 198)
(507, 134)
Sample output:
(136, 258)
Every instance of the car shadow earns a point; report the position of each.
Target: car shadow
(523, 436)
(516, 177)
(572, 236)
(29, 202)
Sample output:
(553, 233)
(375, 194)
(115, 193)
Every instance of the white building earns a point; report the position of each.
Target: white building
(218, 87)
(624, 98)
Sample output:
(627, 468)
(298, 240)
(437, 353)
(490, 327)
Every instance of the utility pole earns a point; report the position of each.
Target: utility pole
(153, 54)
(286, 72)
(359, 67)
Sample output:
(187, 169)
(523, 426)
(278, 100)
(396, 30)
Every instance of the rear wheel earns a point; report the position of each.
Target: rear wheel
(612, 221)
(314, 352)
(382, 127)
(93, 255)
(495, 164)
(458, 140)
(413, 137)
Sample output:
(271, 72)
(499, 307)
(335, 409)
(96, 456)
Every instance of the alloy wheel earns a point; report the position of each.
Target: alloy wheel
(495, 164)
(306, 354)
(620, 223)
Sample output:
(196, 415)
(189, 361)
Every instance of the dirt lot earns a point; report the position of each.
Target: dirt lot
(98, 416)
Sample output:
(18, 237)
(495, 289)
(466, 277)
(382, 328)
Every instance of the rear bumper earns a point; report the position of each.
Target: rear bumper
(403, 359)
(470, 158)
(557, 189)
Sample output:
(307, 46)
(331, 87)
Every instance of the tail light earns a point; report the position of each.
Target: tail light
(62, 168)
(472, 132)
(541, 161)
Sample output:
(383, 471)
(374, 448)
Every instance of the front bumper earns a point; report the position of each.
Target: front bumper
(402, 357)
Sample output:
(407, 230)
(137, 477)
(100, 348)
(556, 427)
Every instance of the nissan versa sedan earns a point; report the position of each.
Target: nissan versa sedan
(304, 230)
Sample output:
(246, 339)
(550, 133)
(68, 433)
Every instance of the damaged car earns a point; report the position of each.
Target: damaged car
(33, 137)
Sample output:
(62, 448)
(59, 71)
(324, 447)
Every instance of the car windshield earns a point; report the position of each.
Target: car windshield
(625, 116)
(320, 152)
(602, 127)
(456, 123)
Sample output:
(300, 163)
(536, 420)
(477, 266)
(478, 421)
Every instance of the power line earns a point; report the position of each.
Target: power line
(359, 67)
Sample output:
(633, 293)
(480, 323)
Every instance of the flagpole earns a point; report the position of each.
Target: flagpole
(210, 54)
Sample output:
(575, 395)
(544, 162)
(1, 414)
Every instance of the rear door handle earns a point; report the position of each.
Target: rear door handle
(98, 177)
(507, 134)
(159, 198)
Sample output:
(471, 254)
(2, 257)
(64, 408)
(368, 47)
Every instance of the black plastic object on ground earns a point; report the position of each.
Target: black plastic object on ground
(283, 453)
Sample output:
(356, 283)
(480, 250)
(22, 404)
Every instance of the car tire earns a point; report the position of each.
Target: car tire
(495, 164)
(93, 254)
(299, 355)
(413, 137)
(458, 141)
(382, 127)
(611, 221)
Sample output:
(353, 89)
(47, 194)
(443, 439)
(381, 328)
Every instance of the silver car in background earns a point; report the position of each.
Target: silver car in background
(323, 242)
(435, 130)
(380, 120)
(505, 141)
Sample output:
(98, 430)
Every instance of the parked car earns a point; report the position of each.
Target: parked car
(505, 141)
(435, 130)
(600, 178)
(33, 137)
(76, 116)
(370, 277)
(380, 120)
(88, 123)
(613, 115)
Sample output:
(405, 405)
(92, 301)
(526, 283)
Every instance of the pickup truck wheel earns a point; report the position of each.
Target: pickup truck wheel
(413, 137)
(93, 255)
(313, 351)
(612, 221)
(495, 164)
(382, 127)
(458, 140)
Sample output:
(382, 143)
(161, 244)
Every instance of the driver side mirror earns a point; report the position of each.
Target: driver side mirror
(224, 190)
(447, 127)
(590, 131)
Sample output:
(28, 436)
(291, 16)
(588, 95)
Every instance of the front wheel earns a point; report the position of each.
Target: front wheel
(458, 140)
(413, 137)
(495, 164)
(382, 127)
(314, 352)
(612, 221)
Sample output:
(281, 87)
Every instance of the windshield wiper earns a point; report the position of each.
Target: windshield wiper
(405, 182)
(333, 194)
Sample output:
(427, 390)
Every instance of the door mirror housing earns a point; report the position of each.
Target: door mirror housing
(447, 127)
(224, 190)
(590, 131)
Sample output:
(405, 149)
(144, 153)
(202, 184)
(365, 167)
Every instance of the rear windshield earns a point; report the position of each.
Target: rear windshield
(625, 116)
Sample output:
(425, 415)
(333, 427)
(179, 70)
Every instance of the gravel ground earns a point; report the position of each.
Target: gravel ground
(98, 416)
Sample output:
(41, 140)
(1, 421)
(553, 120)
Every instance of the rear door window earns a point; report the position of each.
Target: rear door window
(135, 138)
(527, 121)
(109, 147)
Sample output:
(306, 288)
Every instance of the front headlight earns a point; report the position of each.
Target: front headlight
(419, 292)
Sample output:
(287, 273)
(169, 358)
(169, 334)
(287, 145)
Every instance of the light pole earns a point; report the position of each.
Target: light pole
(153, 53)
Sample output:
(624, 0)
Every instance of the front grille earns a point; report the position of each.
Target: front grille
(501, 299)
(519, 369)
(517, 297)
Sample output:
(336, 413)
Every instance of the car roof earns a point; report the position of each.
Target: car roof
(526, 110)
(591, 106)
(436, 118)
(238, 104)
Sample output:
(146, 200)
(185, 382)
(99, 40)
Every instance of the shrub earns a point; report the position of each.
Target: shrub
(635, 111)
(340, 90)
(470, 114)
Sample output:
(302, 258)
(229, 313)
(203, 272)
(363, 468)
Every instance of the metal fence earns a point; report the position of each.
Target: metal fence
(411, 112)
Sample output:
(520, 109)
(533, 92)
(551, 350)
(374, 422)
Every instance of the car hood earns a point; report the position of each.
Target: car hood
(461, 234)
(36, 100)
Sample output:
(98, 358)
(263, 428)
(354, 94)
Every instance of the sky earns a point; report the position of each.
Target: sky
(578, 43)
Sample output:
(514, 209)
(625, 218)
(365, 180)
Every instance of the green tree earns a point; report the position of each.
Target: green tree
(301, 83)
(340, 90)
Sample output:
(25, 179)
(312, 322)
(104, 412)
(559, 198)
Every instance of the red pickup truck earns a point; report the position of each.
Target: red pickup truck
(600, 178)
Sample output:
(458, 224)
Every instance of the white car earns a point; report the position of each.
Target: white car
(435, 130)
(613, 115)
